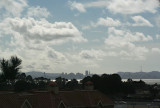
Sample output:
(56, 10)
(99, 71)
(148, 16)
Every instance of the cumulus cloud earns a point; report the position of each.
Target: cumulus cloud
(155, 50)
(25, 32)
(31, 37)
(108, 21)
(157, 20)
(124, 6)
(87, 58)
(133, 6)
(120, 38)
(46, 60)
(128, 52)
(56, 56)
(40, 31)
(92, 54)
(122, 41)
(140, 21)
(38, 12)
(134, 53)
(12, 7)
(78, 6)
(158, 36)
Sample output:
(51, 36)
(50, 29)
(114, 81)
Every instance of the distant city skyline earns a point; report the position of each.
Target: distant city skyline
(103, 36)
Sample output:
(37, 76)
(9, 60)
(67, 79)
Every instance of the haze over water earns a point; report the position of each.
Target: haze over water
(147, 81)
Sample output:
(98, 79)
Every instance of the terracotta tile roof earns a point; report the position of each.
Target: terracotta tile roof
(9, 101)
(47, 99)
(84, 98)
(52, 84)
(89, 83)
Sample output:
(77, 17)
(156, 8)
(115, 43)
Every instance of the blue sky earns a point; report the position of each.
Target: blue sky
(103, 36)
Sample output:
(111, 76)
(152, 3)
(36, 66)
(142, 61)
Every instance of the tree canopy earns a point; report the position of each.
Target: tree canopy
(10, 68)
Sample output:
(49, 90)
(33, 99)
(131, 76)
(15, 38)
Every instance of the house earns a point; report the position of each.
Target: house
(53, 98)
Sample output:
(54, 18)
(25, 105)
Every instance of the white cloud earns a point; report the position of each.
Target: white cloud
(128, 52)
(46, 60)
(31, 37)
(113, 30)
(112, 53)
(12, 7)
(108, 22)
(39, 32)
(133, 6)
(92, 54)
(56, 56)
(98, 4)
(123, 43)
(78, 60)
(120, 38)
(95, 40)
(157, 20)
(78, 6)
(85, 27)
(87, 58)
(38, 12)
(140, 21)
(123, 6)
(134, 53)
(155, 50)
(158, 36)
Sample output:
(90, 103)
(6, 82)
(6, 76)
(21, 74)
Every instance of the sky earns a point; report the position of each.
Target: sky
(103, 36)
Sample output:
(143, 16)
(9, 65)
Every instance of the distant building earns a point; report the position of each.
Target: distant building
(53, 98)
(86, 73)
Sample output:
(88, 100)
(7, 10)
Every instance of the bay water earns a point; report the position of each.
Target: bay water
(147, 81)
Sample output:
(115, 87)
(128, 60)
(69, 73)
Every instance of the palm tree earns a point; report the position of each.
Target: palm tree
(10, 68)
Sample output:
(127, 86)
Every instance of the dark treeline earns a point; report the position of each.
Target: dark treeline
(112, 84)
(12, 79)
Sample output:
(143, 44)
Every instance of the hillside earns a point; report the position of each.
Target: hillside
(140, 75)
(124, 75)
(41, 74)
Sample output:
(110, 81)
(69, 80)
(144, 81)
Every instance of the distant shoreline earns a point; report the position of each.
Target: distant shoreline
(140, 75)
(147, 81)
(154, 75)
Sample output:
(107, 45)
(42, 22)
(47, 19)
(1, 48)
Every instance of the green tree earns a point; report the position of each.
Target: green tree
(21, 85)
(61, 82)
(10, 68)
(73, 84)
(29, 78)
(21, 76)
(96, 81)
